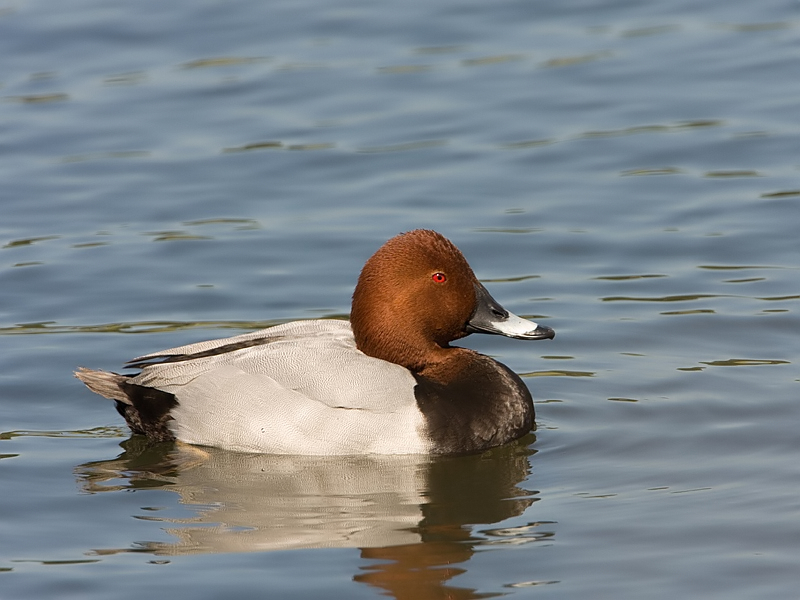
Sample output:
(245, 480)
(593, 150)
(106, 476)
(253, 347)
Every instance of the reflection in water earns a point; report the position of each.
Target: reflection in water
(411, 515)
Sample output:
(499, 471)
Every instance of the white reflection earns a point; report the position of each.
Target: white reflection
(414, 511)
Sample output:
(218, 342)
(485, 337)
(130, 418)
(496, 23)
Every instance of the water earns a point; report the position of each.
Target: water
(625, 172)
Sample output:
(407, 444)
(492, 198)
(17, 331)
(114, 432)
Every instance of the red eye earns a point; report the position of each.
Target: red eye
(439, 277)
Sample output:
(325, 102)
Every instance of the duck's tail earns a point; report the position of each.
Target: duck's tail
(146, 410)
(105, 383)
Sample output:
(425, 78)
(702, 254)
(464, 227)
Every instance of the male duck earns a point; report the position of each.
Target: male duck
(387, 382)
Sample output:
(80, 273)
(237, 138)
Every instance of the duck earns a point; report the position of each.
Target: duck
(386, 382)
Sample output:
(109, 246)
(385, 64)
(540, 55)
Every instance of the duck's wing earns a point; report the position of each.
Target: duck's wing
(296, 330)
(317, 360)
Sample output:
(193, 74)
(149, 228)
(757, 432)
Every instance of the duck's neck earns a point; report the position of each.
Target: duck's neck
(403, 347)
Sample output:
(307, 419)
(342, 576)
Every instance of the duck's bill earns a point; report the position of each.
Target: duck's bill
(490, 317)
(514, 327)
(521, 329)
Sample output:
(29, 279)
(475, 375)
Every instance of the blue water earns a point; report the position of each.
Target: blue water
(625, 172)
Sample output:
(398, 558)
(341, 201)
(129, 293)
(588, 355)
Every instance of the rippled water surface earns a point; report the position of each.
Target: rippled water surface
(625, 172)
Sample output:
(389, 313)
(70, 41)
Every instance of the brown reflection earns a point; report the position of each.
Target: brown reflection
(39, 98)
(558, 373)
(51, 327)
(419, 571)
(463, 491)
(223, 61)
(781, 194)
(677, 298)
(744, 362)
(627, 277)
(413, 517)
(657, 128)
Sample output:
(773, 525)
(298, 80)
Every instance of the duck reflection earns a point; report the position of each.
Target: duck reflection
(411, 516)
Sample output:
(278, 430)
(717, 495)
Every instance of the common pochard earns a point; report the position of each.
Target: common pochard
(387, 382)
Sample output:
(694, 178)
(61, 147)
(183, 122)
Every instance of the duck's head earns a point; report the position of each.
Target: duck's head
(417, 293)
